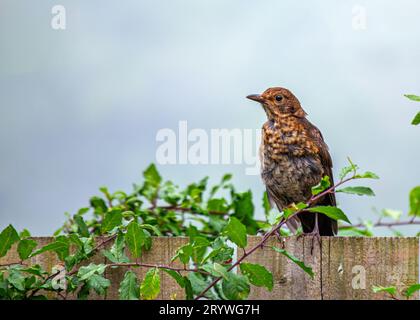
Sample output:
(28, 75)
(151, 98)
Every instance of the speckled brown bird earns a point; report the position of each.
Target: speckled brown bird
(294, 158)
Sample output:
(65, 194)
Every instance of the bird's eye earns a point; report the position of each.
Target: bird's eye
(279, 98)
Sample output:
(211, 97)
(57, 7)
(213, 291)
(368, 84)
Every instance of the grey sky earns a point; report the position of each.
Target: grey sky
(80, 108)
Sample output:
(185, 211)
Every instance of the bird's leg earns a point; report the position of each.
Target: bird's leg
(314, 233)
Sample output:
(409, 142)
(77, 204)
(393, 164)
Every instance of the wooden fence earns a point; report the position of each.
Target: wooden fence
(344, 267)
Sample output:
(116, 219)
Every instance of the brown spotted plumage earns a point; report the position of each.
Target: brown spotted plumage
(294, 158)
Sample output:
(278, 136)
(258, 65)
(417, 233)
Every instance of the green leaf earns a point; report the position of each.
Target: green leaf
(82, 228)
(412, 97)
(266, 203)
(391, 290)
(183, 253)
(301, 264)
(236, 232)
(150, 286)
(199, 283)
(25, 248)
(7, 238)
(332, 212)
(135, 238)
(24, 234)
(85, 272)
(346, 170)
(415, 201)
(152, 176)
(416, 119)
(129, 287)
(258, 275)
(60, 246)
(235, 287)
(221, 252)
(218, 205)
(152, 228)
(367, 175)
(274, 217)
(17, 280)
(321, 186)
(199, 248)
(243, 206)
(116, 254)
(357, 190)
(394, 214)
(98, 204)
(98, 283)
(112, 220)
(412, 289)
(176, 276)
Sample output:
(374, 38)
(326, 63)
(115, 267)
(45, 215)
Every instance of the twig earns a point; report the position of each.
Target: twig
(384, 224)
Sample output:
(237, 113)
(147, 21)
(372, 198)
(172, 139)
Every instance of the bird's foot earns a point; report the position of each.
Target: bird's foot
(314, 236)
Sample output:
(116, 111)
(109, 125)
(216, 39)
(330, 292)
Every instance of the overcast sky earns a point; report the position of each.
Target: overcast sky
(81, 107)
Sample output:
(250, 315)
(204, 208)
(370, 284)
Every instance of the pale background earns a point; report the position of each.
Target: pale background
(80, 108)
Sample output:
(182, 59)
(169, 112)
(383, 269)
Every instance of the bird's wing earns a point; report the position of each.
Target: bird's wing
(323, 153)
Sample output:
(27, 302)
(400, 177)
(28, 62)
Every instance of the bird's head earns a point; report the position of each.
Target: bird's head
(279, 102)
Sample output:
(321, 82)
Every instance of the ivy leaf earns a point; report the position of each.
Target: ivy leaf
(416, 119)
(321, 186)
(135, 238)
(129, 287)
(25, 248)
(112, 220)
(60, 246)
(7, 238)
(332, 212)
(391, 290)
(258, 275)
(357, 190)
(415, 201)
(412, 97)
(150, 286)
(236, 232)
(235, 287)
(300, 263)
(412, 289)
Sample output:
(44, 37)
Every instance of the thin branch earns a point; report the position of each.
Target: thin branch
(379, 223)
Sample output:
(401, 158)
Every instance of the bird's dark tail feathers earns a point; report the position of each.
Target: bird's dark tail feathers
(326, 225)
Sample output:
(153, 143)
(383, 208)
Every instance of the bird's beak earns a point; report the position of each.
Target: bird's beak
(256, 97)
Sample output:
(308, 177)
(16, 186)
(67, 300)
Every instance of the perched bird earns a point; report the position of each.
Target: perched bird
(294, 158)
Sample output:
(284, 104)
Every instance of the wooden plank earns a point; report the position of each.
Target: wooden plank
(290, 281)
(345, 267)
(351, 266)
